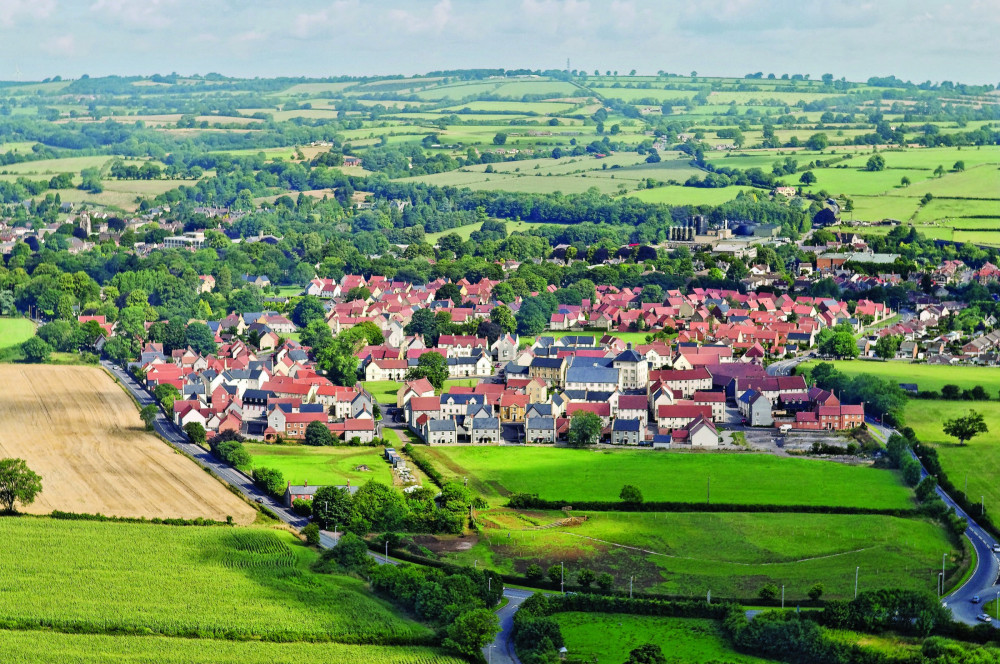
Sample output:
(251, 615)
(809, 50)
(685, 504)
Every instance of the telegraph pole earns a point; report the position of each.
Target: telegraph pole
(856, 570)
(562, 578)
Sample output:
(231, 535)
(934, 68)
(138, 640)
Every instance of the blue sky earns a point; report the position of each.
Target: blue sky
(913, 39)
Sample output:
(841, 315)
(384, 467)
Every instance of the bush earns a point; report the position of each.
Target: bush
(311, 533)
(534, 572)
(302, 507)
(270, 480)
(769, 591)
(816, 591)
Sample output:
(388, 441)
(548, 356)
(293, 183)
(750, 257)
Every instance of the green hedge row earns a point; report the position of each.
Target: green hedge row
(424, 464)
(75, 516)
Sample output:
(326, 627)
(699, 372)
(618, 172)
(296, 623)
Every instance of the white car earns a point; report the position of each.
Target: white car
(996, 548)
(982, 617)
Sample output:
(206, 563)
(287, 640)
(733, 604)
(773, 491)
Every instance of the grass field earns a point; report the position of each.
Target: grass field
(211, 582)
(384, 391)
(569, 474)
(979, 461)
(731, 554)
(43, 647)
(928, 377)
(609, 637)
(628, 337)
(81, 432)
(15, 331)
(323, 465)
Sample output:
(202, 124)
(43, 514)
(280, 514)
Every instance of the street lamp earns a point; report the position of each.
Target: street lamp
(562, 578)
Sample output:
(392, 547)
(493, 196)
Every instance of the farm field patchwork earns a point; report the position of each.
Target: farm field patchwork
(609, 637)
(572, 474)
(43, 647)
(323, 465)
(206, 581)
(80, 431)
(731, 554)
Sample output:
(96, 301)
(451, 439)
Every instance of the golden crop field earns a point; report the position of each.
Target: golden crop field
(77, 429)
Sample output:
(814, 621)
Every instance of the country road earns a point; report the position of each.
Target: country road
(502, 647)
(983, 582)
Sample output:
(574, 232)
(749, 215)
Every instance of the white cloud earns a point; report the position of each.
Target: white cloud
(12, 11)
(434, 21)
(149, 14)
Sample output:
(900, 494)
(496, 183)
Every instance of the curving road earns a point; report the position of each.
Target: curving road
(502, 649)
(984, 580)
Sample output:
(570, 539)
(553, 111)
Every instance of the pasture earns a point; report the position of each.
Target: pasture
(573, 474)
(978, 462)
(928, 377)
(323, 465)
(80, 431)
(45, 647)
(15, 331)
(731, 554)
(609, 637)
(205, 581)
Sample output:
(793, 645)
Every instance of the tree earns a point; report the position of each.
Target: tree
(532, 318)
(555, 574)
(905, 181)
(876, 162)
(605, 581)
(196, 432)
(584, 429)
(165, 394)
(818, 142)
(318, 434)
(36, 350)
(631, 494)
(502, 316)
(500, 138)
(331, 506)
(840, 344)
(887, 347)
(768, 591)
(451, 292)
(648, 653)
(966, 427)
(18, 484)
(816, 591)
(807, 178)
(148, 414)
(307, 310)
(951, 392)
(200, 338)
(358, 293)
(350, 553)
(471, 631)
(585, 578)
(926, 488)
(959, 166)
(433, 367)
(311, 533)
(534, 572)
(939, 171)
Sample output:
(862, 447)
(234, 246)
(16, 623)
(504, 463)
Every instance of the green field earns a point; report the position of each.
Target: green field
(384, 391)
(221, 582)
(15, 331)
(608, 637)
(928, 377)
(979, 461)
(571, 474)
(323, 465)
(45, 647)
(731, 554)
(628, 337)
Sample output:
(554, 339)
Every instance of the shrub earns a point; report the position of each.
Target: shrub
(769, 591)
(534, 572)
(302, 507)
(311, 533)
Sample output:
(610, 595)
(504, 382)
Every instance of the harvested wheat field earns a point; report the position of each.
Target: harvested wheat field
(77, 429)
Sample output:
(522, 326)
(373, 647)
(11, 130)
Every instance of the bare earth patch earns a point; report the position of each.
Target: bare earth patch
(77, 429)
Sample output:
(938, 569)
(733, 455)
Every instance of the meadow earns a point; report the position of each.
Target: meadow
(731, 554)
(384, 391)
(209, 582)
(45, 647)
(572, 474)
(323, 465)
(928, 377)
(15, 331)
(977, 464)
(609, 637)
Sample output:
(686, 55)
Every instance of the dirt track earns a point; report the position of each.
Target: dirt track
(77, 429)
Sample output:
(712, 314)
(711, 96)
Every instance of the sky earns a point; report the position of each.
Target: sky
(913, 39)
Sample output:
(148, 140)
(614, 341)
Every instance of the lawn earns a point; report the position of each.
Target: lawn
(207, 581)
(571, 474)
(628, 337)
(977, 463)
(609, 637)
(46, 647)
(323, 465)
(383, 391)
(731, 554)
(928, 377)
(15, 331)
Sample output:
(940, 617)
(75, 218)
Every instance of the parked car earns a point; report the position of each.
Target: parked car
(982, 617)
(975, 599)
(996, 548)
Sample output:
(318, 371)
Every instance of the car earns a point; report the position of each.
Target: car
(982, 617)
(975, 599)
(996, 548)
(259, 500)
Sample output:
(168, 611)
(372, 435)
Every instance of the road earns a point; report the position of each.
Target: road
(502, 648)
(786, 367)
(983, 582)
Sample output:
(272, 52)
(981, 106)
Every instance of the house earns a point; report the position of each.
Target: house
(541, 429)
(504, 349)
(361, 428)
(633, 370)
(420, 409)
(551, 369)
(440, 432)
(386, 370)
(414, 388)
(467, 366)
(626, 432)
(686, 382)
(633, 407)
(703, 434)
(206, 283)
(714, 400)
(591, 376)
(307, 492)
(680, 415)
(756, 408)
(485, 430)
